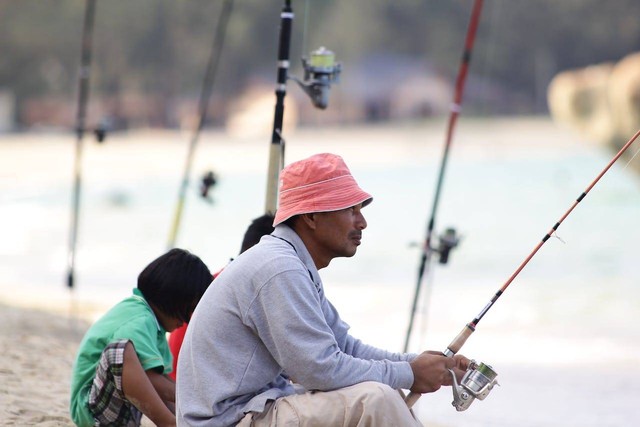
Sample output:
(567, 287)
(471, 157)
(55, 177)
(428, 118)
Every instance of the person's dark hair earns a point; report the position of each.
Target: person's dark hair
(175, 282)
(259, 227)
(291, 221)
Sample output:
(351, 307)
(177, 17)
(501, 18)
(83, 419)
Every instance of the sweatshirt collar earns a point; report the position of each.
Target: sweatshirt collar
(285, 232)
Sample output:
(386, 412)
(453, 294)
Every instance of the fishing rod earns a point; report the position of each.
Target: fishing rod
(83, 96)
(480, 379)
(276, 150)
(448, 240)
(320, 71)
(205, 94)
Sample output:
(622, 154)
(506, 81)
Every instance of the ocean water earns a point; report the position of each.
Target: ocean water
(562, 338)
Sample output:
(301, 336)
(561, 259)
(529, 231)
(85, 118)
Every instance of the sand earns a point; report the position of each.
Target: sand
(38, 350)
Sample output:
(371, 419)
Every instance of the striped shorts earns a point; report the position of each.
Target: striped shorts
(106, 400)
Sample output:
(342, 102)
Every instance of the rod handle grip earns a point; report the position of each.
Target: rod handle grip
(459, 341)
(273, 176)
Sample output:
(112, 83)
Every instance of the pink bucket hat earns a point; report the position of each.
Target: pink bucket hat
(320, 183)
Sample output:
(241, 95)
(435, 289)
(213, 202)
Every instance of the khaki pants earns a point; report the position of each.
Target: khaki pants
(369, 404)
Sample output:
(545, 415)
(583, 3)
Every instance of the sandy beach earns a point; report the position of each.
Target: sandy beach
(38, 349)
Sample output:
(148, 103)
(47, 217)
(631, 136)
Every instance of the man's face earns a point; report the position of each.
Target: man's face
(339, 233)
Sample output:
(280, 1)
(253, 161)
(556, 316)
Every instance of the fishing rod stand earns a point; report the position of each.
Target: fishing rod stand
(320, 71)
(476, 383)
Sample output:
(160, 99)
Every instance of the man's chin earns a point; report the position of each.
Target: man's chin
(351, 252)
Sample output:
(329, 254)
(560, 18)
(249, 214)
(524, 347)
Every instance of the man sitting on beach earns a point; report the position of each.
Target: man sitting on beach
(265, 347)
(259, 227)
(121, 368)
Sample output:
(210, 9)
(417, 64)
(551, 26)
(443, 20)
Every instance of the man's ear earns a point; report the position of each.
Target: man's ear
(309, 219)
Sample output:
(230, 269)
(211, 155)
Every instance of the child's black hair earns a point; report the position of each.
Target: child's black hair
(175, 282)
(259, 227)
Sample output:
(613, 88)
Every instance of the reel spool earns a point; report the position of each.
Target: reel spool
(320, 71)
(476, 383)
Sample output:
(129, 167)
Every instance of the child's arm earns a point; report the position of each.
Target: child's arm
(164, 386)
(141, 391)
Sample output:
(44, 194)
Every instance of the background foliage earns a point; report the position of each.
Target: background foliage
(161, 46)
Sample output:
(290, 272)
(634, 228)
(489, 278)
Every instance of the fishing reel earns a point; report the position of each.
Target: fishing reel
(447, 241)
(319, 72)
(476, 383)
(207, 182)
(100, 132)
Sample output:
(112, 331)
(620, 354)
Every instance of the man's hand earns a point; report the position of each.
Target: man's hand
(430, 371)
(461, 366)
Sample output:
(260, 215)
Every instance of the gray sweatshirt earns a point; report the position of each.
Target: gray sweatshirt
(263, 321)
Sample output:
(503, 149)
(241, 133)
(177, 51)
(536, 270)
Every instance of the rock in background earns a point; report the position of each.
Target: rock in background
(601, 102)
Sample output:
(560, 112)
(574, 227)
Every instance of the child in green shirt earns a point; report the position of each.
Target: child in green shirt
(122, 364)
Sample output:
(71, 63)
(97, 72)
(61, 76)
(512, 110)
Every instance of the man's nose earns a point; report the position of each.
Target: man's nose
(361, 221)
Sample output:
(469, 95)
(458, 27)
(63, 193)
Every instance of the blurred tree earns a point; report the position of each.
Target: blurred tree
(160, 47)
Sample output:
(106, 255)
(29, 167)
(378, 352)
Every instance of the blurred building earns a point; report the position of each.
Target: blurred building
(378, 88)
(7, 111)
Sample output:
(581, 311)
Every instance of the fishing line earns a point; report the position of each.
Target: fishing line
(449, 240)
(205, 95)
(303, 49)
(424, 311)
(469, 328)
(558, 237)
(630, 160)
